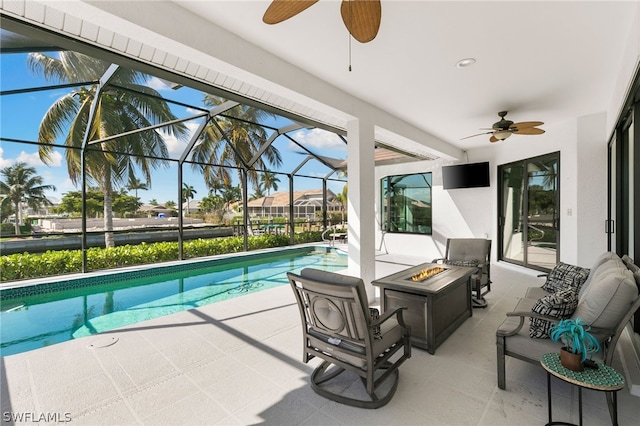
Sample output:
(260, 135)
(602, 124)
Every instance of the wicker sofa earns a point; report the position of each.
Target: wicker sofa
(606, 299)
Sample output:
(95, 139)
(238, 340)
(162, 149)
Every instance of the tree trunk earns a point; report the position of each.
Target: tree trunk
(108, 211)
(18, 218)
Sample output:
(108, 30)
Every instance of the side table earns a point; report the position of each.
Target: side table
(603, 378)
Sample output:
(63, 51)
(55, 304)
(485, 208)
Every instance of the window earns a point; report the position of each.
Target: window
(406, 203)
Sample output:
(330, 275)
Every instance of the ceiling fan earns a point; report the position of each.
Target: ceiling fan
(361, 17)
(504, 128)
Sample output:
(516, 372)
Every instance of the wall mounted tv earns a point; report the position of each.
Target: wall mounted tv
(474, 175)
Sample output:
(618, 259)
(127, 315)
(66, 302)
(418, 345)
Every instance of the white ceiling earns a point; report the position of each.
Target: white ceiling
(542, 61)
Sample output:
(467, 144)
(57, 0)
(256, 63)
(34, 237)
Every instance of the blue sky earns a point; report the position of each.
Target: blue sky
(20, 116)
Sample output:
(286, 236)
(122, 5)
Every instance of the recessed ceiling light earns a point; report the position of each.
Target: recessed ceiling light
(466, 62)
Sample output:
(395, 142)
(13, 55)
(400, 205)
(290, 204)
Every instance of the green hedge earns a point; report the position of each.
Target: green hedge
(27, 265)
(9, 230)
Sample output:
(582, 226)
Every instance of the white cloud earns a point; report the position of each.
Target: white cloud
(194, 111)
(4, 162)
(31, 159)
(66, 186)
(319, 139)
(174, 145)
(158, 84)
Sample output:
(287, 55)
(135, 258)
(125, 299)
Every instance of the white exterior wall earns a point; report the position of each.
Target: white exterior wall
(473, 212)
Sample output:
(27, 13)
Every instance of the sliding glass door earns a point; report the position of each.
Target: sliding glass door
(623, 222)
(529, 221)
(620, 224)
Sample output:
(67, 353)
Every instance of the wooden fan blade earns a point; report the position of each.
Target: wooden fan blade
(281, 10)
(493, 139)
(525, 124)
(529, 131)
(362, 18)
(479, 134)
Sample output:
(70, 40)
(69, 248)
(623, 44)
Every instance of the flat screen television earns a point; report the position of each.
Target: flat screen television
(474, 175)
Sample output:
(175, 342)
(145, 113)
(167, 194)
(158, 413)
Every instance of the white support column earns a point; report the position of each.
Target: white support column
(361, 181)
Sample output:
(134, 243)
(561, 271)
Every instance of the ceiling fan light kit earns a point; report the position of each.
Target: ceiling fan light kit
(502, 129)
(502, 134)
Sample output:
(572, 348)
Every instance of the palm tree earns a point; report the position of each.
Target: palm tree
(238, 142)
(215, 186)
(21, 184)
(269, 181)
(343, 199)
(135, 184)
(112, 163)
(170, 204)
(230, 194)
(188, 192)
(258, 192)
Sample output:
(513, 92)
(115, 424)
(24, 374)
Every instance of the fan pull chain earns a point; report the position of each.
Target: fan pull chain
(349, 31)
(349, 52)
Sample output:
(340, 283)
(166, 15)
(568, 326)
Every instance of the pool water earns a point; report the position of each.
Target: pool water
(32, 322)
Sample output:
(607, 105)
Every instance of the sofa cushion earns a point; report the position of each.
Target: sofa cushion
(608, 298)
(604, 258)
(558, 305)
(520, 344)
(564, 275)
(536, 293)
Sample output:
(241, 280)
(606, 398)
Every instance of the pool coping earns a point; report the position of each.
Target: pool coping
(17, 289)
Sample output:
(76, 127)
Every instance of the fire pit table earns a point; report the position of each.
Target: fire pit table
(437, 298)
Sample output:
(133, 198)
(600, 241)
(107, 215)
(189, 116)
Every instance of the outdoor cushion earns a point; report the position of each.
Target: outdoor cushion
(536, 293)
(558, 305)
(329, 277)
(604, 258)
(521, 343)
(564, 275)
(608, 297)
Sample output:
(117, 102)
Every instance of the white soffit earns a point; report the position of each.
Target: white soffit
(122, 37)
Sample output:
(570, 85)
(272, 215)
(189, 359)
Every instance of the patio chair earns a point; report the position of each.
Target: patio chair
(474, 252)
(339, 328)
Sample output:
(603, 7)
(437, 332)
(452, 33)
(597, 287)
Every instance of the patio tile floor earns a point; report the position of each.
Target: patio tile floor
(238, 362)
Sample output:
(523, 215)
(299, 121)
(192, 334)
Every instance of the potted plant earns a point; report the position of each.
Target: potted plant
(578, 342)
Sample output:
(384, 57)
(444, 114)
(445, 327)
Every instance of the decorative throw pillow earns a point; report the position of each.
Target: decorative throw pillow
(471, 262)
(375, 314)
(564, 276)
(560, 305)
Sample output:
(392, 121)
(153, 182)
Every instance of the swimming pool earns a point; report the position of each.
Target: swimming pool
(38, 316)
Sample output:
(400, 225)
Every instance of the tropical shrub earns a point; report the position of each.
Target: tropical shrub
(22, 266)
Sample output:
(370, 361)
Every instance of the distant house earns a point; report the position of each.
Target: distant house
(192, 206)
(156, 210)
(305, 204)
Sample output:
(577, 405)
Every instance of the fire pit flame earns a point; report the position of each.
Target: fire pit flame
(427, 273)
